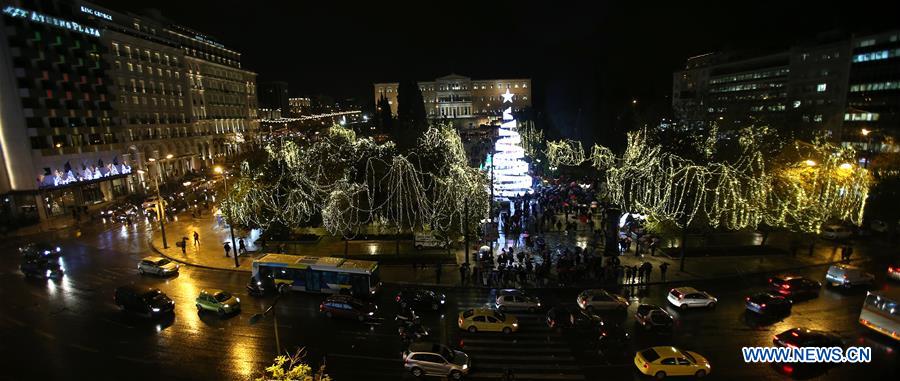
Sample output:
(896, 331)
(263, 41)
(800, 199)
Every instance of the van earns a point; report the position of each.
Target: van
(428, 240)
(847, 276)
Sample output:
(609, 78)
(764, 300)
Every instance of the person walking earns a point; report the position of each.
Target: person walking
(183, 245)
(227, 250)
(463, 272)
(634, 273)
(196, 238)
(242, 247)
(662, 270)
(640, 272)
(628, 274)
(648, 270)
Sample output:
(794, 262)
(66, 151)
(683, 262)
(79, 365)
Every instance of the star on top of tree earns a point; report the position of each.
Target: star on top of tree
(507, 97)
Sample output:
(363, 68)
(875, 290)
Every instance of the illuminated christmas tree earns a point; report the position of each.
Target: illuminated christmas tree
(510, 169)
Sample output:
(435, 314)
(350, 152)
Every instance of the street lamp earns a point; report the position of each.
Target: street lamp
(257, 317)
(220, 170)
(160, 211)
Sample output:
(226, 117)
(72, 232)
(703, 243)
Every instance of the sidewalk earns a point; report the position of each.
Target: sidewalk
(210, 254)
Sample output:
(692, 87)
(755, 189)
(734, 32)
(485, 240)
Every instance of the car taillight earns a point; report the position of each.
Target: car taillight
(786, 286)
(398, 298)
(892, 269)
(762, 305)
(747, 299)
(321, 307)
(646, 365)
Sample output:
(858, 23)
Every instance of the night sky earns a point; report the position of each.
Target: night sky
(587, 60)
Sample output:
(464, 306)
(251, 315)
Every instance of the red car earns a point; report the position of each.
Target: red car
(347, 307)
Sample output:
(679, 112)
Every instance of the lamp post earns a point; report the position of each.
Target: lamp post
(160, 210)
(221, 170)
(256, 318)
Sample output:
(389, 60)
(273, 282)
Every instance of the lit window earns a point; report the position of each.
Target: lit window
(821, 87)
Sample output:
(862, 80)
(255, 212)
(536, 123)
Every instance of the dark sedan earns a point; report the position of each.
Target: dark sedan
(572, 317)
(794, 287)
(420, 298)
(766, 303)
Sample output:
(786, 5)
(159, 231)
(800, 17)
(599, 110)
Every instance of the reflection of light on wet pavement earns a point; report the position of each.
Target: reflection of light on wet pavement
(241, 351)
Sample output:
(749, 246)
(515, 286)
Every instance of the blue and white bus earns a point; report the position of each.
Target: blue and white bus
(881, 312)
(316, 274)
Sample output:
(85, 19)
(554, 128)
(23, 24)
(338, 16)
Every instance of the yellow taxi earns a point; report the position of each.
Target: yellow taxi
(660, 362)
(484, 319)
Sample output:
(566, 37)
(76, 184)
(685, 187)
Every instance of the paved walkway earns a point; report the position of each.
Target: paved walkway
(210, 253)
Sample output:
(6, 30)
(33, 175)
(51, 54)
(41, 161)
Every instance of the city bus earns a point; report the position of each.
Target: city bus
(315, 274)
(880, 312)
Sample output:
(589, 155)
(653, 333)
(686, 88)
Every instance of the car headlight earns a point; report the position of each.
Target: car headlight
(539, 304)
(465, 366)
(58, 249)
(443, 301)
(155, 309)
(258, 283)
(227, 306)
(515, 324)
(48, 273)
(371, 313)
(237, 299)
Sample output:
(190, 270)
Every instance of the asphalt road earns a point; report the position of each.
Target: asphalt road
(71, 329)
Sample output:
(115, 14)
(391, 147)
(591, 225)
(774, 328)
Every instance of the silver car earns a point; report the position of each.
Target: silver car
(158, 266)
(601, 300)
(517, 301)
(432, 359)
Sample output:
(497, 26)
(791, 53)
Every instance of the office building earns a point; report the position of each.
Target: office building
(299, 106)
(89, 95)
(463, 101)
(846, 88)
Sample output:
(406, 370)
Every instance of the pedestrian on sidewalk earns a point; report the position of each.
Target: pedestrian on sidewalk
(640, 272)
(628, 274)
(662, 270)
(183, 245)
(227, 250)
(242, 247)
(196, 238)
(463, 273)
(648, 270)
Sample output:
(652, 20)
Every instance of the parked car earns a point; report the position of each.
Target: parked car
(484, 319)
(347, 307)
(144, 301)
(572, 318)
(157, 265)
(513, 299)
(689, 297)
(653, 317)
(432, 359)
(794, 286)
(428, 240)
(421, 298)
(218, 301)
(848, 276)
(836, 232)
(800, 337)
(767, 303)
(41, 268)
(893, 271)
(37, 250)
(670, 361)
(598, 299)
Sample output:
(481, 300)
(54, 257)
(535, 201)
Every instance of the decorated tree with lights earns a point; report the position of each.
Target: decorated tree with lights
(511, 176)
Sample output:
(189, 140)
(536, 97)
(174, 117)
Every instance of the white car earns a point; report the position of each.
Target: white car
(516, 300)
(598, 299)
(158, 266)
(836, 232)
(689, 297)
(848, 276)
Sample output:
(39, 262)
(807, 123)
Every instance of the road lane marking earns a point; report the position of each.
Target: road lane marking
(45, 334)
(84, 348)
